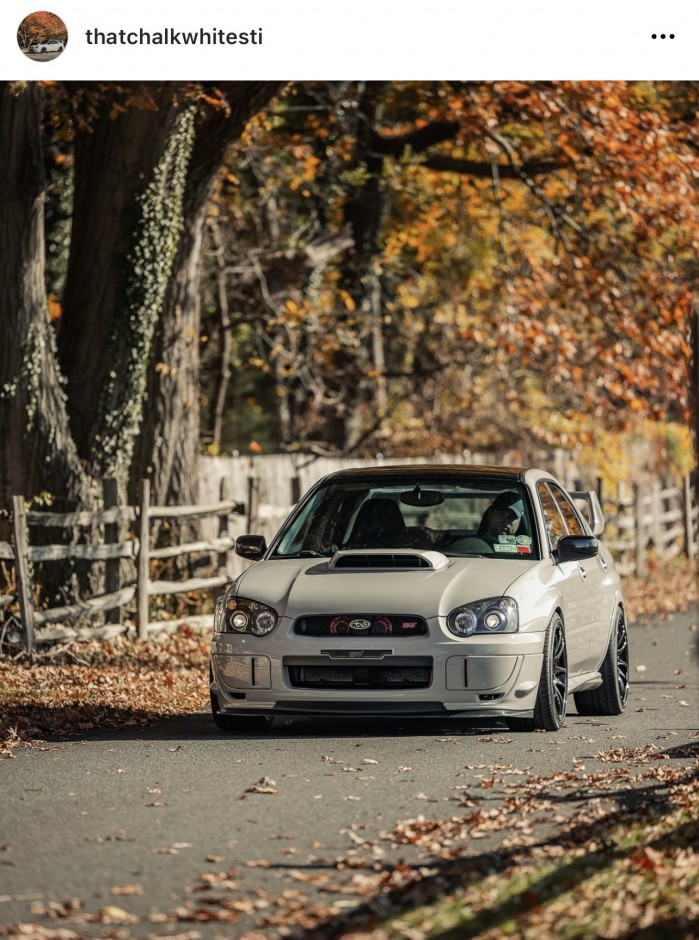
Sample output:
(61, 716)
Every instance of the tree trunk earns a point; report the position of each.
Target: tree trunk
(168, 446)
(38, 453)
(362, 215)
(116, 152)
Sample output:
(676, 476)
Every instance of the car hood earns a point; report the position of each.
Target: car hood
(303, 587)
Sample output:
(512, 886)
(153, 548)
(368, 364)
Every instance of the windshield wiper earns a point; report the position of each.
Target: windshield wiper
(466, 555)
(306, 553)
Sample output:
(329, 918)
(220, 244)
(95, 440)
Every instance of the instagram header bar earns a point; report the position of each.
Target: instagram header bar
(376, 39)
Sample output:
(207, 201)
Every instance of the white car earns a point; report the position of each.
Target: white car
(51, 45)
(477, 592)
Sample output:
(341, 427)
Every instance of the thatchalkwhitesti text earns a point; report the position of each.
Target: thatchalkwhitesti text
(168, 36)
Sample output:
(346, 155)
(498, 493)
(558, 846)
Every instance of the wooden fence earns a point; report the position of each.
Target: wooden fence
(113, 547)
(653, 517)
(657, 517)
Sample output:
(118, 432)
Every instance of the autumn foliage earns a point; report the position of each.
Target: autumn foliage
(522, 261)
(39, 27)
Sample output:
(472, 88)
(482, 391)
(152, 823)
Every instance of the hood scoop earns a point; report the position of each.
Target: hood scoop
(383, 560)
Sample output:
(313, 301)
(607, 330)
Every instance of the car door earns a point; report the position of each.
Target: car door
(600, 581)
(572, 582)
(597, 579)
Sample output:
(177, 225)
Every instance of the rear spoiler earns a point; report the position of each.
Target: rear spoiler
(588, 503)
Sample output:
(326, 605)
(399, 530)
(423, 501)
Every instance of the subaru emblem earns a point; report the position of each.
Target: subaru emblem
(360, 625)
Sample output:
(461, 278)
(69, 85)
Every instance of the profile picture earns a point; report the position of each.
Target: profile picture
(42, 36)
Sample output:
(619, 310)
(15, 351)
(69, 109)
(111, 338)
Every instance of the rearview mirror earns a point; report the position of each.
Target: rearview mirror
(419, 497)
(250, 546)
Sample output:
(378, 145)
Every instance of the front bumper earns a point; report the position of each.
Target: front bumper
(285, 674)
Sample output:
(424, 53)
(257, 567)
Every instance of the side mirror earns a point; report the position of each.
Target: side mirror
(250, 546)
(576, 548)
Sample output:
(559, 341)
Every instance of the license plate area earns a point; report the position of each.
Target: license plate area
(399, 673)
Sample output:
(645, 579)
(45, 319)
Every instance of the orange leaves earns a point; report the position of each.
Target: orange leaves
(505, 293)
(55, 307)
(40, 26)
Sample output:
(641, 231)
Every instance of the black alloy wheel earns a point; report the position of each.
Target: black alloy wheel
(552, 696)
(611, 696)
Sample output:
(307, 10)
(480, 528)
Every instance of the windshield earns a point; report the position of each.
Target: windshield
(478, 517)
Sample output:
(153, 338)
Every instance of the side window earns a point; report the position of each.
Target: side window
(555, 524)
(572, 522)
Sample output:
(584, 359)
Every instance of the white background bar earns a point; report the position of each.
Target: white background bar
(370, 39)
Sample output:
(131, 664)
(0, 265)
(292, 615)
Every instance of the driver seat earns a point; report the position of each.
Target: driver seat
(379, 524)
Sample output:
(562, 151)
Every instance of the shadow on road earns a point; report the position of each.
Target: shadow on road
(102, 722)
(633, 806)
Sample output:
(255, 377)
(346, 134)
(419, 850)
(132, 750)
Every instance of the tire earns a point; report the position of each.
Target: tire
(552, 695)
(238, 724)
(610, 698)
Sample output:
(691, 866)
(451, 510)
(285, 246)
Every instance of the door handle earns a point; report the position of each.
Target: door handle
(603, 563)
(583, 572)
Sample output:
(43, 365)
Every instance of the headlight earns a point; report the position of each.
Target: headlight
(492, 615)
(245, 616)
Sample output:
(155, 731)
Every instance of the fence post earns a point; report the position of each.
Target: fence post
(142, 616)
(223, 530)
(657, 508)
(689, 546)
(112, 535)
(638, 532)
(23, 572)
(253, 502)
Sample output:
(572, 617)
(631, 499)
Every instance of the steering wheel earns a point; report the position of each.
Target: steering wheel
(417, 536)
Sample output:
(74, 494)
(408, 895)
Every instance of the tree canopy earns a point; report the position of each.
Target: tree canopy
(338, 267)
(522, 262)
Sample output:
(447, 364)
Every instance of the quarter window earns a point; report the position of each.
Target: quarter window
(568, 512)
(555, 523)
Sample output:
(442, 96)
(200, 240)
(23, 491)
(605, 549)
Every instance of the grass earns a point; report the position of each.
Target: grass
(639, 879)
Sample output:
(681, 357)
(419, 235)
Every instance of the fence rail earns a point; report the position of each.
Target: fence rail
(654, 517)
(111, 550)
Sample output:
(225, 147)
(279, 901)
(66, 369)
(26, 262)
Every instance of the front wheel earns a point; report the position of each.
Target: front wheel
(552, 695)
(610, 698)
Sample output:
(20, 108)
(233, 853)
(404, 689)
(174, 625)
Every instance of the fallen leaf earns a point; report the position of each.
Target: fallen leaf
(128, 889)
(116, 915)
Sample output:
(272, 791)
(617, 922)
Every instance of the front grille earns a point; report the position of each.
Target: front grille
(379, 625)
(360, 677)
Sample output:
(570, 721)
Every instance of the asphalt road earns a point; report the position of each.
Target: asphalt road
(132, 820)
(42, 56)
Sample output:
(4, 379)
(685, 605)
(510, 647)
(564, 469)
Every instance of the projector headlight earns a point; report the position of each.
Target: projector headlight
(492, 615)
(242, 615)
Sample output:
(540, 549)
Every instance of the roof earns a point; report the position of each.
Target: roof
(428, 470)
